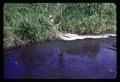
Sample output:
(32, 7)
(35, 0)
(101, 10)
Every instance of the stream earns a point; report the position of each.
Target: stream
(78, 59)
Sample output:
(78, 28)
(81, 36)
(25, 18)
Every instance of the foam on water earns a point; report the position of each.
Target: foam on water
(69, 36)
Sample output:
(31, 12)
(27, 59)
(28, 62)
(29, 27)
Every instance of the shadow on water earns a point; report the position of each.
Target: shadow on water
(79, 59)
(83, 47)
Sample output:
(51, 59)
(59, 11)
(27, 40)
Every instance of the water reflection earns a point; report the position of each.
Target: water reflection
(87, 47)
(30, 57)
(61, 65)
(60, 59)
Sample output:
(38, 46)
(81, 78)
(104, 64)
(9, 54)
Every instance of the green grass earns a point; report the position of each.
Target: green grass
(31, 22)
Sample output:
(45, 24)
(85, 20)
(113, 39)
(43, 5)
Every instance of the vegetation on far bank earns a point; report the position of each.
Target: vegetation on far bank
(37, 22)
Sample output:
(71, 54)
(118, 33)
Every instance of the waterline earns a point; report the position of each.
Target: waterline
(69, 36)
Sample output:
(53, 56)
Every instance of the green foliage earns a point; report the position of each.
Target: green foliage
(31, 22)
(88, 18)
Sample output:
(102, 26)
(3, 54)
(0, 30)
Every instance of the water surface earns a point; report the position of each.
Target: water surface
(78, 59)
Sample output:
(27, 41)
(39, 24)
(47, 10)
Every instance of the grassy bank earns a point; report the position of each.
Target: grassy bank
(37, 22)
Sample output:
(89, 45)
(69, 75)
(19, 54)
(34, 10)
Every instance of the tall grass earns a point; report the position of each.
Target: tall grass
(88, 17)
(31, 22)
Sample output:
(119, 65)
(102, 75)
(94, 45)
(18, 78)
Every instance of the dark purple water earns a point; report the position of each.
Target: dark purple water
(79, 59)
